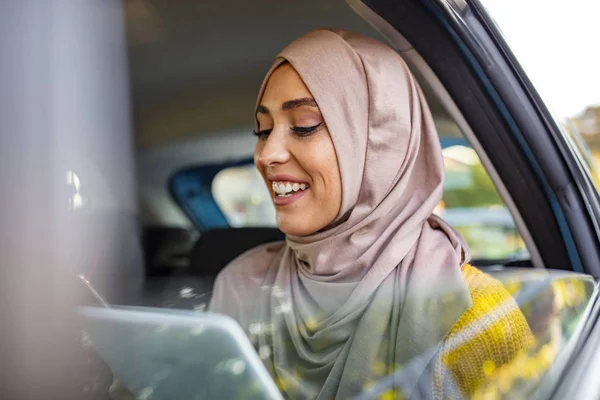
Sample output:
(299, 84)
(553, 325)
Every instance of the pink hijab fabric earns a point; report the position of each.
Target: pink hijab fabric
(370, 297)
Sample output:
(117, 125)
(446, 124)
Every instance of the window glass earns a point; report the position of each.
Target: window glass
(241, 194)
(470, 203)
(554, 307)
(561, 60)
(545, 310)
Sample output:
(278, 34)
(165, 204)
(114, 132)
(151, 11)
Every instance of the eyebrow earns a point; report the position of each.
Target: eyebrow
(290, 104)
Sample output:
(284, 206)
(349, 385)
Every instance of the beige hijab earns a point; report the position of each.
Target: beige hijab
(369, 299)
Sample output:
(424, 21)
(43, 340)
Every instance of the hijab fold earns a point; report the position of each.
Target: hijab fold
(333, 312)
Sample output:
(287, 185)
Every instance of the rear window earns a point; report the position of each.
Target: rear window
(470, 203)
(243, 197)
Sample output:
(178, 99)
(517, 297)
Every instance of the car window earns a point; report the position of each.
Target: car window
(555, 308)
(243, 197)
(546, 311)
(473, 206)
(471, 203)
(574, 101)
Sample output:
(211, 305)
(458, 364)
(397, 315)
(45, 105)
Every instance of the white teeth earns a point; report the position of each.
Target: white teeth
(286, 188)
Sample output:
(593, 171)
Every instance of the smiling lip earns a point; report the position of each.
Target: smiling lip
(284, 178)
(284, 201)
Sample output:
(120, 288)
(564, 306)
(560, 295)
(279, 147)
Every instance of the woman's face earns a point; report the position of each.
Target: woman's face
(295, 155)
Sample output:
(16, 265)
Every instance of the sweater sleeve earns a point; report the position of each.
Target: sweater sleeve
(488, 335)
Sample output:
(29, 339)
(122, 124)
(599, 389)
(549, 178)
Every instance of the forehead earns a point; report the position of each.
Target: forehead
(284, 84)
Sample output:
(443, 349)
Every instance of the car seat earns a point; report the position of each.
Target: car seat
(191, 287)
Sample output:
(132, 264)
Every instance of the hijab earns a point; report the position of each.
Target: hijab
(369, 298)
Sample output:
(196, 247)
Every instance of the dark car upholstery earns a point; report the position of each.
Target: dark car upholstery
(216, 248)
(191, 287)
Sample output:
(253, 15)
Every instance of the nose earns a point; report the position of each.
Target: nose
(274, 150)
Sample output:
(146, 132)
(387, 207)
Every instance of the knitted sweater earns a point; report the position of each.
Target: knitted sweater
(488, 335)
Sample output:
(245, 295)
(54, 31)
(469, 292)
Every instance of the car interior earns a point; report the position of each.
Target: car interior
(195, 69)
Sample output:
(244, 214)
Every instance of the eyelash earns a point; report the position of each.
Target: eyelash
(300, 131)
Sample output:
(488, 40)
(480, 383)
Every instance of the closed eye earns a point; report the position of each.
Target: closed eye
(262, 134)
(306, 131)
(298, 130)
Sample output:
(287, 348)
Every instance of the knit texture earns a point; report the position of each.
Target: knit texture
(488, 335)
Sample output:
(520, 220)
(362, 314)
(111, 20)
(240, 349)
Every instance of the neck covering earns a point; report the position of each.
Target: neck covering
(373, 295)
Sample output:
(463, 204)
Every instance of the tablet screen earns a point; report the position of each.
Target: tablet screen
(177, 354)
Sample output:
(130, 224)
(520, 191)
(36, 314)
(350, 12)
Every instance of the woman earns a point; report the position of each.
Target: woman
(370, 291)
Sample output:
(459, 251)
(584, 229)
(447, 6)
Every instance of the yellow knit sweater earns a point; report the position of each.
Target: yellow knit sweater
(488, 335)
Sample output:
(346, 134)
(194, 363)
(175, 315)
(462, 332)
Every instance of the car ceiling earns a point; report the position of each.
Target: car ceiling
(195, 66)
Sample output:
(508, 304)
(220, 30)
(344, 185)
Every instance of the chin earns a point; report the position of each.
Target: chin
(294, 229)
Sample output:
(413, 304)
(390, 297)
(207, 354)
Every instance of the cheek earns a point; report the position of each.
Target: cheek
(335, 180)
(258, 165)
(328, 169)
(335, 184)
(257, 151)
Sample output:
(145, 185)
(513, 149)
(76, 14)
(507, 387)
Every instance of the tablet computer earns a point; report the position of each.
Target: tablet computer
(177, 354)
